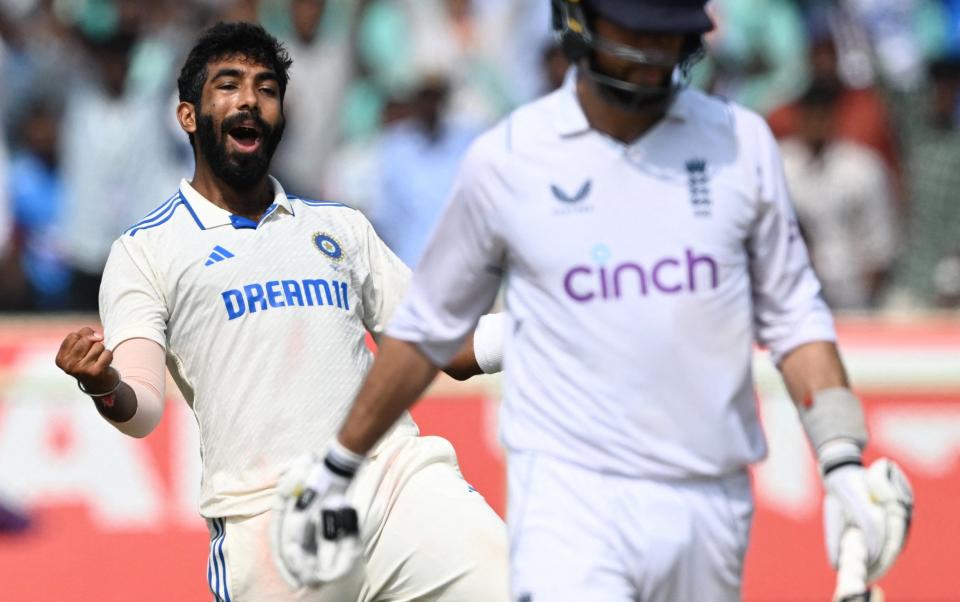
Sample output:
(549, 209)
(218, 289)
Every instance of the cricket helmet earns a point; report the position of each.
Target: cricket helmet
(572, 20)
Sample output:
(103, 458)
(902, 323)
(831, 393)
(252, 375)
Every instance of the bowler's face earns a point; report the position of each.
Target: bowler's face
(243, 100)
(240, 120)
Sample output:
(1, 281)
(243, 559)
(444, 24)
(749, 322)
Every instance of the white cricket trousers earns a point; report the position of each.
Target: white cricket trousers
(427, 536)
(577, 535)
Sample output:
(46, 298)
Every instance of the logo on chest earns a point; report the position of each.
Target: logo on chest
(699, 185)
(604, 280)
(217, 255)
(275, 294)
(572, 201)
(329, 246)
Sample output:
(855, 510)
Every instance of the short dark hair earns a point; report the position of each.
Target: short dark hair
(946, 69)
(225, 40)
(820, 95)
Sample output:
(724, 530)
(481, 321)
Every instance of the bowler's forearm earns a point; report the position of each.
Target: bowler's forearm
(118, 407)
(138, 406)
(398, 376)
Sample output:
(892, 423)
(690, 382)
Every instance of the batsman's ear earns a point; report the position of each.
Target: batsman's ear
(187, 116)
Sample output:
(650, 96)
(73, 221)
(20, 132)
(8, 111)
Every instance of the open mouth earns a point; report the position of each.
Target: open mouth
(246, 137)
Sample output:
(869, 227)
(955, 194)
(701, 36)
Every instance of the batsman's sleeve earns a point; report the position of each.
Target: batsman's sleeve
(460, 271)
(131, 303)
(385, 283)
(788, 308)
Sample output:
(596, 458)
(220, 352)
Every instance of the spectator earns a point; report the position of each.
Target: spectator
(41, 54)
(352, 175)
(931, 150)
(419, 157)
(843, 199)
(756, 53)
(116, 154)
(324, 63)
(890, 26)
(462, 39)
(861, 116)
(525, 32)
(37, 195)
(238, 10)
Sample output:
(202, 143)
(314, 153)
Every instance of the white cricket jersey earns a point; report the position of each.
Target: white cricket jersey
(263, 323)
(637, 279)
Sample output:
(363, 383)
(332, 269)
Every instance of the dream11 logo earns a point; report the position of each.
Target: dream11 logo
(669, 276)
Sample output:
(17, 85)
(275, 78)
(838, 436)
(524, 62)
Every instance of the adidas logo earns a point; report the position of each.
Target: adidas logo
(218, 255)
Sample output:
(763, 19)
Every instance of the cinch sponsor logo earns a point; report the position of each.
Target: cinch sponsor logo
(670, 276)
(252, 298)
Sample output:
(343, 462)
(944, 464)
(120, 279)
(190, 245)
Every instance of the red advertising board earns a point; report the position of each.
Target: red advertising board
(114, 519)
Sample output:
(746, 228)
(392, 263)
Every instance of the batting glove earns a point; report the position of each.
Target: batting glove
(878, 502)
(314, 530)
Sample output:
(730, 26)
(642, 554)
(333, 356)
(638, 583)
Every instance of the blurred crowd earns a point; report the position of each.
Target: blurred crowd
(386, 95)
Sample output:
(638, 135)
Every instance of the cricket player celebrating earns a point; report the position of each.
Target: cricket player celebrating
(646, 239)
(259, 303)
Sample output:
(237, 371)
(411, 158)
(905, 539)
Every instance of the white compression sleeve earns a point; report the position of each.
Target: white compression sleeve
(835, 416)
(488, 342)
(140, 363)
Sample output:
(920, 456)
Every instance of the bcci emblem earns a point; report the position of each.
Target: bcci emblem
(697, 181)
(329, 246)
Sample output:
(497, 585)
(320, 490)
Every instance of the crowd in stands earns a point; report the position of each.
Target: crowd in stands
(386, 95)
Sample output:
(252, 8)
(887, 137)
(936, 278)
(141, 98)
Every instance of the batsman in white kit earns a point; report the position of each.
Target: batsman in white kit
(259, 303)
(645, 237)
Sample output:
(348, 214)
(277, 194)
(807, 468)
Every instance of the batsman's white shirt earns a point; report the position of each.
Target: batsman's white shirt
(263, 323)
(637, 278)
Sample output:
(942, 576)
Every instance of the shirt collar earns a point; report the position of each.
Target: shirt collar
(570, 120)
(211, 216)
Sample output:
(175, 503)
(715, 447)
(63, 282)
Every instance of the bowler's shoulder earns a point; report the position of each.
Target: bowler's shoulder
(329, 215)
(163, 228)
(323, 207)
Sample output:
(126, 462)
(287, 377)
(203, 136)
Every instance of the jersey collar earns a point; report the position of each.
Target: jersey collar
(568, 116)
(211, 216)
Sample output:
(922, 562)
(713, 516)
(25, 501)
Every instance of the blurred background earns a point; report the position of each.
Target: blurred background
(385, 97)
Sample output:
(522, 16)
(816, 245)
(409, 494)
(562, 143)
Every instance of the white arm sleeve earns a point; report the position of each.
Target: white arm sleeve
(140, 363)
(788, 308)
(385, 284)
(459, 273)
(134, 317)
(488, 342)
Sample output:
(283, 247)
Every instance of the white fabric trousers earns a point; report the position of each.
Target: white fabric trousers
(579, 535)
(427, 535)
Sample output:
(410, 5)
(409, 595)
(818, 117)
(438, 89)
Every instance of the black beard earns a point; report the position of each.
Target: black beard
(240, 172)
(644, 100)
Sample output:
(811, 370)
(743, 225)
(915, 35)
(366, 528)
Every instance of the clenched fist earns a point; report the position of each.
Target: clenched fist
(83, 356)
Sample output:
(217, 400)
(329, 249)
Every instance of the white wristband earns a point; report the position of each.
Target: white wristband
(837, 453)
(341, 461)
(834, 413)
(488, 343)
